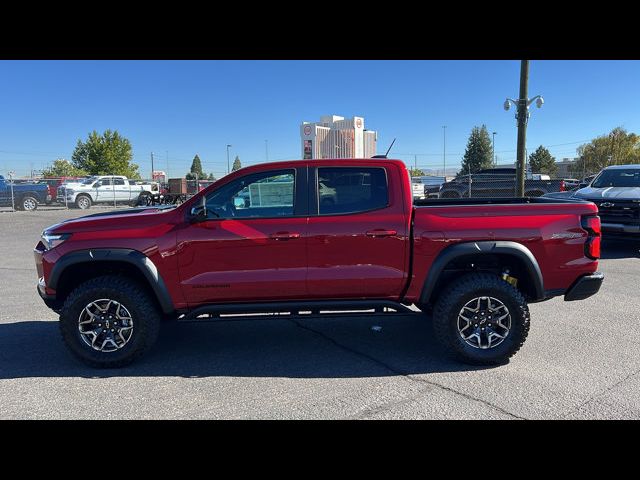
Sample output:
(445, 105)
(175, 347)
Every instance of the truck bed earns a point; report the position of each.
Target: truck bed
(435, 202)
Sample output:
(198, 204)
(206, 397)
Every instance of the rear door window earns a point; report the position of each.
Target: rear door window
(344, 190)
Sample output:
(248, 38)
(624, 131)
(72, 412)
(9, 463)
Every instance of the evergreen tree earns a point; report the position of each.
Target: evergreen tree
(541, 161)
(196, 169)
(211, 177)
(478, 153)
(236, 164)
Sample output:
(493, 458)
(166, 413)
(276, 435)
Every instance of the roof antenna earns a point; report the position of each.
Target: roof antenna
(388, 150)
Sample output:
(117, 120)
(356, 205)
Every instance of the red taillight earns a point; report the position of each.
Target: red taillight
(563, 186)
(591, 224)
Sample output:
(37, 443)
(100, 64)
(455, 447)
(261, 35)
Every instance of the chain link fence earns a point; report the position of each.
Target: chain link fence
(499, 182)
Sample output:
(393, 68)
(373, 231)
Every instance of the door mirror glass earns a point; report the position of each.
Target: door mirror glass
(199, 212)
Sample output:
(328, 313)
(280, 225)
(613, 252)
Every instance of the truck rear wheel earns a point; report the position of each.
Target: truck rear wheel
(481, 319)
(27, 203)
(109, 321)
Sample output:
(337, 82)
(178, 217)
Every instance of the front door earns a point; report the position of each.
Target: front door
(359, 237)
(104, 190)
(252, 245)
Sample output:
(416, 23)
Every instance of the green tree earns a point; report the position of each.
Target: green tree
(416, 172)
(541, 161)
(236, 164)
(478, 153)
(63, 168)
(106, 154)
(617, 148)
(196, 173)
(211, 177)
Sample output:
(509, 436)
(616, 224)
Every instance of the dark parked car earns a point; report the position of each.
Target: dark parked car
(499, 182)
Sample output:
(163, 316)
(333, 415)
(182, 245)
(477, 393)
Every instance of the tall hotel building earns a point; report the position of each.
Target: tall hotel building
(335, 137)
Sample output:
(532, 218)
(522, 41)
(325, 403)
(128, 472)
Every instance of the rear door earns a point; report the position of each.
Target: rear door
(122, 189)
(357, 233)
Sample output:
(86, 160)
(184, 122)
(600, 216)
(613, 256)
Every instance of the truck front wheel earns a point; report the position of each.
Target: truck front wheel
(482, 320)
(83, 202)
(109, 321)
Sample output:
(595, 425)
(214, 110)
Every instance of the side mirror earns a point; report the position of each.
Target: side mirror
(238, 202)
(199, 212)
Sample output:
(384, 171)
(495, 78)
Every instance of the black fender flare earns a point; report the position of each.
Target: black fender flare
(486, 247)
(133, 257)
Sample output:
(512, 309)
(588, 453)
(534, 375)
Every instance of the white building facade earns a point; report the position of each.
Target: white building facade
(336, 137)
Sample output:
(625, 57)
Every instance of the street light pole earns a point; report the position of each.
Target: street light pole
(493, 148)
(444, 152)
(522, 116)
(522, 125)
(228, 169)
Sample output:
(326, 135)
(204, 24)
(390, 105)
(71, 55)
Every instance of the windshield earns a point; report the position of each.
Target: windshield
(618, 178)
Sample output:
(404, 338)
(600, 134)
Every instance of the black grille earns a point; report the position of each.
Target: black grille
(619, 211)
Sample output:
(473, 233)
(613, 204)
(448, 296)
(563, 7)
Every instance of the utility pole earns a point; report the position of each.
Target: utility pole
(522, 125)
(522, 116)
(415, 163)
(228, 169)
(152, 166)
(444, 152)
(493, 148)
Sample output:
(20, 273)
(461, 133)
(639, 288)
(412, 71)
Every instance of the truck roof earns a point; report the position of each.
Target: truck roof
(618, 167)
(339, 162)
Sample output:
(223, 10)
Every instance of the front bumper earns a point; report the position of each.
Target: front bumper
(584, 287)
(621, 228)
(49, 300)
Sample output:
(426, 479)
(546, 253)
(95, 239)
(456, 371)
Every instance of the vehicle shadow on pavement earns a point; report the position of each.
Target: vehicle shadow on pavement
(613, 248)
(343, 347)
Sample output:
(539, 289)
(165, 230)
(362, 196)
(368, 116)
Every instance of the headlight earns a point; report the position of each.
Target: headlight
(51, 241)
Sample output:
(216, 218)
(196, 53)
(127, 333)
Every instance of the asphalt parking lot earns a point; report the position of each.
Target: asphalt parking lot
(581, 360)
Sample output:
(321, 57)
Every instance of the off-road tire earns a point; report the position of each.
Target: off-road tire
(456, 295)
(145, 315)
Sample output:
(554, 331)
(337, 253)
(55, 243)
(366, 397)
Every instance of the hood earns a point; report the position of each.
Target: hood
(132, 218)
(618, 193)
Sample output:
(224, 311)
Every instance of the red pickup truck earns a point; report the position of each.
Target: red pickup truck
(312, 235)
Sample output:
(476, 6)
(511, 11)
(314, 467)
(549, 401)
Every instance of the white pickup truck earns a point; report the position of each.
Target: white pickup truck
(104, 189)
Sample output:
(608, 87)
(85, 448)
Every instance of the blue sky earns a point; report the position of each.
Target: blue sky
(179, 108)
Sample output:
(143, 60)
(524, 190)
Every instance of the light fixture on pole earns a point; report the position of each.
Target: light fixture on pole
(228, 147)
(522, 117)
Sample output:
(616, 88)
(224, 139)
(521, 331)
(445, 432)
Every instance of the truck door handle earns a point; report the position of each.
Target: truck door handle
(284, 235)
(380, 232)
